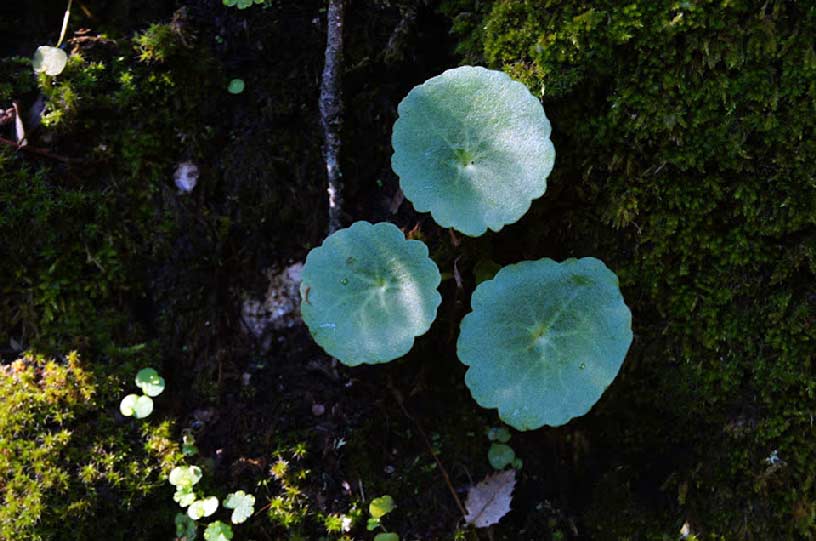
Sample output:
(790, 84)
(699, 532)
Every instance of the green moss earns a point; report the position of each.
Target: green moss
(687, 128)
(65, 460)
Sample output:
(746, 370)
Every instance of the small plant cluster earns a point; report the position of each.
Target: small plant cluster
(544, 339)
(242, 4)
(65, 460)
(199, 506)
(500, 455)
(141, 406)
(378, 508)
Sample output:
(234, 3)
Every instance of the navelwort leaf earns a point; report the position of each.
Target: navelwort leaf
(184, 495)
(49, 60)
(500, 455)
(218, 531)
(186, 528)
(367, 292)
(136, 406)
(242, 504)
(544, 340)
(150, 382)
(379, 507)
(185, 476)
(472, 146)
(202, 508)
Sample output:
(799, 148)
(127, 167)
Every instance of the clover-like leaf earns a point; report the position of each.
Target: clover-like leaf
(49, 60)
(184, 496)
(128, 405)
(202, 508)
(386, 537)
(544, 340)
(499, 434)
(379, 507)
(242, 504)
(138, 406)
(500, 455)
(186, 528)
(367, 292)
(185, 476)
(150, 382)
(472, 146)
(236, 86)
(218, 531)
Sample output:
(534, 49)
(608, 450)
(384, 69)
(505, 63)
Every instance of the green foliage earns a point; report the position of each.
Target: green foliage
(242, 504)
(202, 508)
(186, 527)
(367, 292)
(544, 340)
(218, 531)
(236, 86)
(687, 126)
(243, 4)
(49, 60)
(79, 239)
(500, 455)
(379, 507)
(150, 382)
(472, 147)
(137, 406)
(64, 460)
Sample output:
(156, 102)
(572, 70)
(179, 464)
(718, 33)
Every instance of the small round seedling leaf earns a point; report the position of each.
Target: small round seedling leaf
(49, 60)
(500, 455)
(242, 504)
(367, 292)
(379, 507)
(150, 382)
(499, 434)
(185, 476)
(544, 340)
(128, 405)
(218, 531)
(202, 508)
(184, 496)
(143, 407)
(186, 528)
(236, 86)
(472, 146)
(386, 537)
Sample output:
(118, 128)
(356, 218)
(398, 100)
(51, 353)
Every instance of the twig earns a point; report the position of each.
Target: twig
(331, 109)
(39, 151)
(442, 469)
(65, 22)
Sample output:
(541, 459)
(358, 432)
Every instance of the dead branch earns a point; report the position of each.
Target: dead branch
(331, 109)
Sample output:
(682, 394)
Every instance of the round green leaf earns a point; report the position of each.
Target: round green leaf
(185, 476)
(218, 531)
(202, 508)
(185, 527)
(150, 382)
(472, 146)
(143, 407)
(544, 340)
(184, 496)
(236, 86)
(379, 507)
(49, 60)
(386, 537)
(499, 434)
(242, 504)
(500, 455)
(367, 292)
(128, 405)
